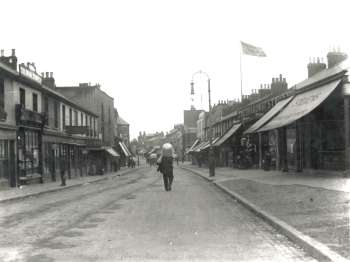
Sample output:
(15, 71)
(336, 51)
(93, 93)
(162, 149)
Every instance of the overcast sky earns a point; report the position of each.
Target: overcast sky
(143, 53)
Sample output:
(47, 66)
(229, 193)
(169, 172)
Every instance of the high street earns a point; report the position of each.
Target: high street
(132, 218)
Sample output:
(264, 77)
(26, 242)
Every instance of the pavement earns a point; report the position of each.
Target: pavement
(18, 193)
(311, 210)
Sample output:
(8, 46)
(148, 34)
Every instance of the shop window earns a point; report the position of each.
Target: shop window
(4, 159)
(29, 153)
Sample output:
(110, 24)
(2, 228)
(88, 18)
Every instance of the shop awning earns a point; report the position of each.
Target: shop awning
(198, 147)
(227, 135)
(193, 146)
(125, 150)
(208, 144)
(203, 146)
(270, 114)
(301, 105)
(112, 152)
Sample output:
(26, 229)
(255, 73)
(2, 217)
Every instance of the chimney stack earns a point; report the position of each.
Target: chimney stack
(48, 79)
(315, 67)
(335, 57)
(10, 61)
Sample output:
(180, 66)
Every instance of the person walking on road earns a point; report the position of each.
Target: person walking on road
(165, 165)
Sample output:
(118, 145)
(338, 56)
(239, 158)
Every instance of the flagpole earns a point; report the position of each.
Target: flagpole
(240, 68)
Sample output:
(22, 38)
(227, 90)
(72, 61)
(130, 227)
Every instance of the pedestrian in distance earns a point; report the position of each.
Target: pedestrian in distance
(165, 165)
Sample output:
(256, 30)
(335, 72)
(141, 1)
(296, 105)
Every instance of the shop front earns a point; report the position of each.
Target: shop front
(228, 146)
(8, 172)
(61, 149)
(310, 130)
(29, 142)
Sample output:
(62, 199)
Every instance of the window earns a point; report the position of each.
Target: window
(35, 102)
(70, 117)
(81, 119)
(56, 114)
(75, 117)
(109, 115)
(92, 131)
(102, 113)
(86, 120)
(22, 97)
(64, 116)
(2, 95)
(46, 105)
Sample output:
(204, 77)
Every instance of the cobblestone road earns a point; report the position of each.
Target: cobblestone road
(133, 218)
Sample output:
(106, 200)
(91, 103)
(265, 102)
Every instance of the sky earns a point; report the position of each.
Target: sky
(144, 52)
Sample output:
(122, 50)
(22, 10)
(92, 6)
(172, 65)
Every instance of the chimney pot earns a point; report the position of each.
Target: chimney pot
(2, 52)
(51, 74)
(318, 60)
(47, 74)
(13, 52)
(280, 77)
(42, 74)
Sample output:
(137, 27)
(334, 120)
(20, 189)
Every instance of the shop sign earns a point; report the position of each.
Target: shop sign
(29, 73)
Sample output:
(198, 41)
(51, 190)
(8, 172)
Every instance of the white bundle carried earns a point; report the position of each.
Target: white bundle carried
(167, 150)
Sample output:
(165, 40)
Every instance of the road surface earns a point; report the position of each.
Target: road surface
(132, 218)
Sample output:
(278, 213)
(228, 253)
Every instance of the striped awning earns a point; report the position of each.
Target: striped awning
(301, 105)
(227, 135)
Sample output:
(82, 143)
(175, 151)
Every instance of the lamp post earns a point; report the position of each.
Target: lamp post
(211, 151)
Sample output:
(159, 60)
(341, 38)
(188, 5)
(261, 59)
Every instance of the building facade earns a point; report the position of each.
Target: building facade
(305, 127)
(41, 131)
(96, 100)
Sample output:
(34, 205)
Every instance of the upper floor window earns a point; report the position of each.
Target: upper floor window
(81, 119)
(56, 114)
(46, 105)
(102, 113)
(64, 116)
(35, 102)
(75, 117)
(70, 117)
(22, 97)
(2, 94)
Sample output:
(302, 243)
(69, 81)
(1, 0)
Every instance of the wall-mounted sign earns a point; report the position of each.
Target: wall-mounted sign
(29, 73)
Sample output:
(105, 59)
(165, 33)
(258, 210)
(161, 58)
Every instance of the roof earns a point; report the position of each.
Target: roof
(43, 88)
(121, 121)
(96, 87)
(338, 69)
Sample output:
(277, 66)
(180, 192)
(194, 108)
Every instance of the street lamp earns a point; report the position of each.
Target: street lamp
(211, 151)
